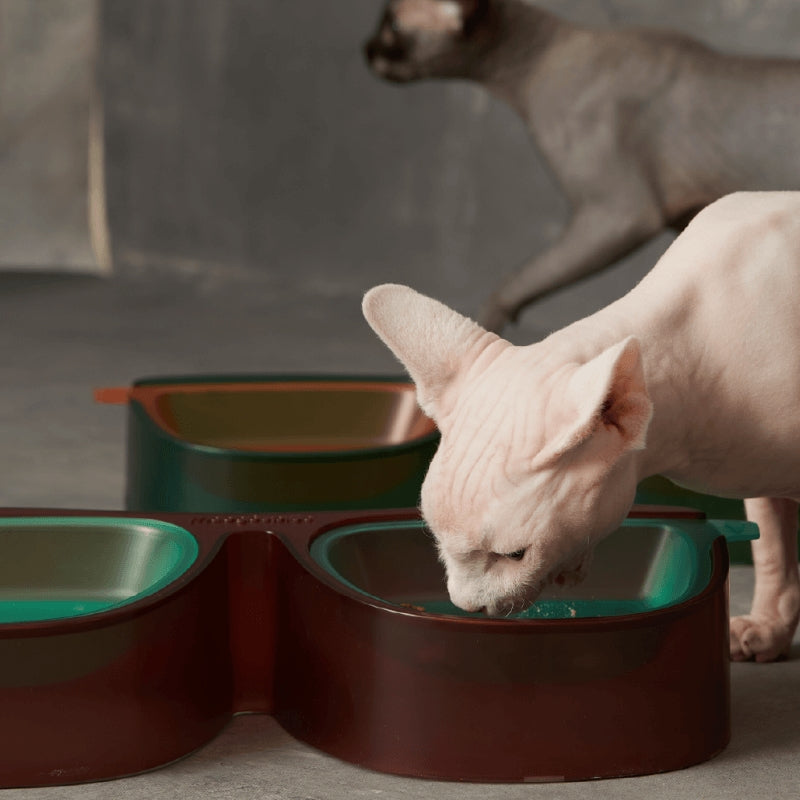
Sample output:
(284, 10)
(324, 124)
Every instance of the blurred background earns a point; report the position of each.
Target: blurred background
(211, 185)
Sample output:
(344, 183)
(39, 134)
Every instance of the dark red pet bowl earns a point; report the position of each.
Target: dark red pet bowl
(128, 642)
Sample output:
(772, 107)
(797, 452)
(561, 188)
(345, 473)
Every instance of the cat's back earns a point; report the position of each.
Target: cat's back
(731, 281)
(743, 239)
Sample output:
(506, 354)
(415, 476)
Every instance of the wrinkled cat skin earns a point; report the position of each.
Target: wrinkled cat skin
(694, 374)
(640, 128)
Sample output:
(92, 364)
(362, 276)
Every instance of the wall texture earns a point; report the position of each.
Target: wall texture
(247, 138)
(248, 135)
(46, 49)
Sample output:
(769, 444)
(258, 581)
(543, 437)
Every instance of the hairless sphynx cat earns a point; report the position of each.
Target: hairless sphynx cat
(641, 128)
(694, 374)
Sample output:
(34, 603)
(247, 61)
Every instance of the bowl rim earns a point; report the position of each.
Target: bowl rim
(145, 392)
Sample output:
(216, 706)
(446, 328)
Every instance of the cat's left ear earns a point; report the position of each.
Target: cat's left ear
(435, 343)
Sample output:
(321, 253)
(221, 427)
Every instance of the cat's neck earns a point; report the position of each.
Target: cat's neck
(509, 42)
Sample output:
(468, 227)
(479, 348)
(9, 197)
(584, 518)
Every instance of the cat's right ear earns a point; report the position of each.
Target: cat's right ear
(434, 343)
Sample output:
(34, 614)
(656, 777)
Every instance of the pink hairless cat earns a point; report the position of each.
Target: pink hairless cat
(694, 374)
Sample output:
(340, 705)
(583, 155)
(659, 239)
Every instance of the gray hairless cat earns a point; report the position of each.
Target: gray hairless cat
(641, 128)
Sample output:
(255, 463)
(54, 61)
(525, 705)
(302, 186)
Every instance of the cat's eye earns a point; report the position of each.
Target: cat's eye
(517, 555)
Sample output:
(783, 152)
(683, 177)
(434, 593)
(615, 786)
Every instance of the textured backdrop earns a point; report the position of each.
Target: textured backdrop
(46, 49)
(247, 138)
(249, 135)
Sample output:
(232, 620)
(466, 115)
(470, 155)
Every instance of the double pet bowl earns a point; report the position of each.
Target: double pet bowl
(128, 640)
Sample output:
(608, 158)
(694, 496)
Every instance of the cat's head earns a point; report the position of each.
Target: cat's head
(535, 462)
(423, 38)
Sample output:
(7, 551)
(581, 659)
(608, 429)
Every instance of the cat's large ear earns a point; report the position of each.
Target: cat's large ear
(434, 343)
(609, 390)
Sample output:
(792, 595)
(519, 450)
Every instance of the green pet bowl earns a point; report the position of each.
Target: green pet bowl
(274, 443)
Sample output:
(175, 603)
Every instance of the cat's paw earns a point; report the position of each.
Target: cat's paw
(760, 638)
(765, 634)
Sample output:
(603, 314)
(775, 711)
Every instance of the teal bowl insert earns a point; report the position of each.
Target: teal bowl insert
(254, 443)
(66, 567)
(642, 567)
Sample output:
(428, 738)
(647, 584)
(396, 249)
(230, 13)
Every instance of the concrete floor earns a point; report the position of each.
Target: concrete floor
(63, 336)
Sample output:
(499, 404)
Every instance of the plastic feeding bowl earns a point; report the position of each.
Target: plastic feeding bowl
(251, 443)
(127, 642)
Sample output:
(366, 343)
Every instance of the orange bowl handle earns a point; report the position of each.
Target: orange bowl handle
(116, 395)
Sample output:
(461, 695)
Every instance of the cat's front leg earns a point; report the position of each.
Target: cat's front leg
(765, 634)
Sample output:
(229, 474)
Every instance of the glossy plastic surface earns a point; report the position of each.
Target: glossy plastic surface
(61, 567)
(250, 443)
(254, 623)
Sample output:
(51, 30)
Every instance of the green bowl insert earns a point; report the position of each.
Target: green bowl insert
(643, 566)
(64, 567)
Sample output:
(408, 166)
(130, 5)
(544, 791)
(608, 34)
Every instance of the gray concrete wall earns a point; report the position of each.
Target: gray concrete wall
(46, 49)
(247, 138)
